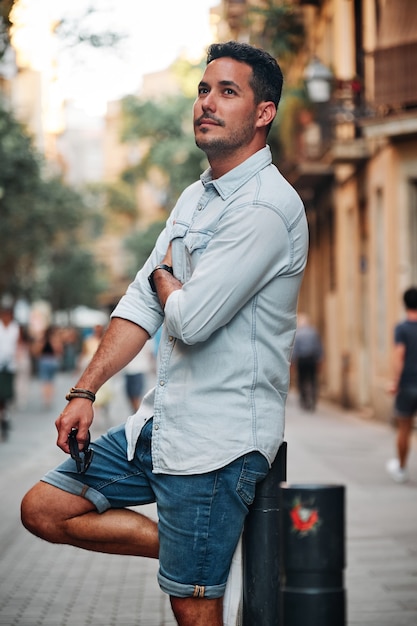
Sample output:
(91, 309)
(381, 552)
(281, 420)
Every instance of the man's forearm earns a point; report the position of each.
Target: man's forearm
(165, 284)
(121, 342)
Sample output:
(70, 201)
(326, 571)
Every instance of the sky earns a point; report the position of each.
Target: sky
(157, 32)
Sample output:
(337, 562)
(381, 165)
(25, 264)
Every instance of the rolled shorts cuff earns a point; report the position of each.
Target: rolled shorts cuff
(181, 590)
(77, 488)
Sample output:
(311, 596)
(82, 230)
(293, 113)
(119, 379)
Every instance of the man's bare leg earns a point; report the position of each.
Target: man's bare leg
(198, 611)
(405, 429)
(61, 517)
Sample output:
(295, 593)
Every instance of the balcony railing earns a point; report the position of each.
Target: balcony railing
(394, 71)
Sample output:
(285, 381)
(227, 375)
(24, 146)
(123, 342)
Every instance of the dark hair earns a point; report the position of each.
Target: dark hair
(267, 78)
(410, 298)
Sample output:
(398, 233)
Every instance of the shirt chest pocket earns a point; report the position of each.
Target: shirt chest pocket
(187, 247)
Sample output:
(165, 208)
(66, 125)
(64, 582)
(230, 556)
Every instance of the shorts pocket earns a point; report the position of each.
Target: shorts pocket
(255, 468)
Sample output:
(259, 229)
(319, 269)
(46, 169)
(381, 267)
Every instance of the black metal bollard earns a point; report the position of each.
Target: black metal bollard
(313, 555)
(261, 546)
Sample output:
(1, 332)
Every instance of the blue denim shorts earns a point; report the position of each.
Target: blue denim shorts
(406, 402)
(47, 368)
(200, 517)
(134, 384)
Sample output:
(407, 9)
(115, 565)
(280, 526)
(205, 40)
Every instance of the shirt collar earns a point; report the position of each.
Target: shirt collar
(227, 185)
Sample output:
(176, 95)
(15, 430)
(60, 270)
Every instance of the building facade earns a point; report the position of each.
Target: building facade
(353, 158)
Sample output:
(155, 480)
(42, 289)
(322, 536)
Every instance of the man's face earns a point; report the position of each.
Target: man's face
(225, 113)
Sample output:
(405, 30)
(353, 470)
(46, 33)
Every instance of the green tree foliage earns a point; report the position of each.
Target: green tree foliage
(72, 279)
(112, 199)
(188, 75)
(166, 129)
(5, 8)
(163, 129)
(279, 29)
(73, 32)
(39, 216)
(277, 26)
(82, 30)
(293, 104)
(140, 244)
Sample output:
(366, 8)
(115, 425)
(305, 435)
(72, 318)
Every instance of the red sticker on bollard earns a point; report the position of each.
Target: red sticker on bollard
(305, 519)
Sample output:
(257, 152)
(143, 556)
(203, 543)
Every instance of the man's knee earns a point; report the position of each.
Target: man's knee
(45, 509)
(31, 510)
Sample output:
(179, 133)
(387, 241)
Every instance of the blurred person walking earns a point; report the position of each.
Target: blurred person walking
(23, 370)
(404, 385)
(70, 348)
(307, 356)
(135, 374)
(9, 341)
(48, 353)
(89, 346)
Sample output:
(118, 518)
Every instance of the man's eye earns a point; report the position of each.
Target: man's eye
(229, 92)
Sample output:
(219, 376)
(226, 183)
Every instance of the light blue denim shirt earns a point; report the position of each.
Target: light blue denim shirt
(239, 246)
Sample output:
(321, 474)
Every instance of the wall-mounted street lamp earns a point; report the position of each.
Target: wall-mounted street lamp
(318, 80)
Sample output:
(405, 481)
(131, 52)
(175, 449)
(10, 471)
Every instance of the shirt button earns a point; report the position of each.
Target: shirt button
(156, 427)
(170, 338)
(162, 383)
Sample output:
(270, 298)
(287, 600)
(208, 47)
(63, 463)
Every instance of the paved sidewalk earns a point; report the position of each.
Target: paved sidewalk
(337, 447)
(46, 585)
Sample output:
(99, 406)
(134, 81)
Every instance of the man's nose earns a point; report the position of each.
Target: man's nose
(208, 103)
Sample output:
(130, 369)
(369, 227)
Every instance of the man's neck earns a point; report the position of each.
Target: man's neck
(224, 163)
(411, 315)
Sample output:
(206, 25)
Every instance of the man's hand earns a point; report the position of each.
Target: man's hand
(77, 414)
(392, 388)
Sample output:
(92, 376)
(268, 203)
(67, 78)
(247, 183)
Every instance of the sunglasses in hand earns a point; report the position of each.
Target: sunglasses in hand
(82, 457)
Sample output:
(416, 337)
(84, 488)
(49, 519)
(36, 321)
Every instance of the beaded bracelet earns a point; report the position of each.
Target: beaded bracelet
(76, 392)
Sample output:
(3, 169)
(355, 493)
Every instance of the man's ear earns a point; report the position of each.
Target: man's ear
(266, 113)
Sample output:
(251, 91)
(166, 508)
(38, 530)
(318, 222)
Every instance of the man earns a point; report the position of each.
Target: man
(404, 385)
(223, 280)
(9, 341)
(307, 355)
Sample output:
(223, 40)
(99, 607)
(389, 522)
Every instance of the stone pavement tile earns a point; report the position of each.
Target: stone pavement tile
(63, 586)
(67, 587)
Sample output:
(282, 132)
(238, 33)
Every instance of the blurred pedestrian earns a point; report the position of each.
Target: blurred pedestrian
(9, 341)
(24, 369)
(136, 373)
(404, 384)
(89, 345)
(307, 356)
(48, 353)
(70, 347)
